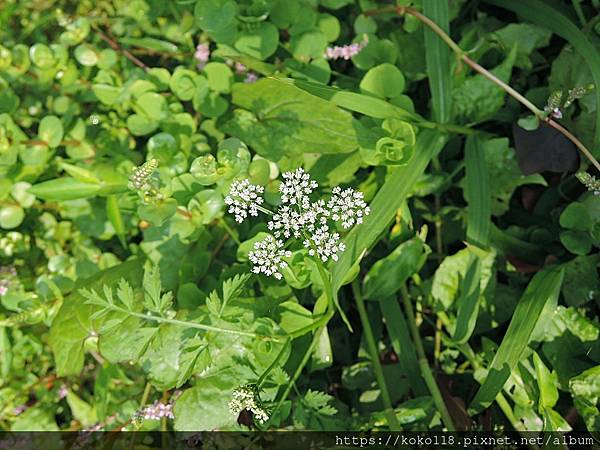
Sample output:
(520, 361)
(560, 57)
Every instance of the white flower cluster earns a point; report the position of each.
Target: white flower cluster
(297, 217)
(267, 256)
(244, 198)
(247, 398)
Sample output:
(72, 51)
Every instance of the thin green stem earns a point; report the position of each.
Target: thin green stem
(264, 375)
(146, 394)
(372, 346)
(434, 389)
(199, 326)
(230, 231)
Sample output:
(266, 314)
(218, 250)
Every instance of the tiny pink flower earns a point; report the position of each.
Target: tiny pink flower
(202, 55)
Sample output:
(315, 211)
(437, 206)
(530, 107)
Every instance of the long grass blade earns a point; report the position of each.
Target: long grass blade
(437, 58)
(477, 194)
(542, 289)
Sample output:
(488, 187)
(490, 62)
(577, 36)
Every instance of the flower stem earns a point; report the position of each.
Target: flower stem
(372, 346)
(423, 364)
(264, 375)
(402, 10)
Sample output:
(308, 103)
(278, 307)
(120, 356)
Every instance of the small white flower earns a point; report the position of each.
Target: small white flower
(296, 187)
(348, 206)
(287, 222)
(243, 199)
(267, 256)
(326, 244)
(247, 398)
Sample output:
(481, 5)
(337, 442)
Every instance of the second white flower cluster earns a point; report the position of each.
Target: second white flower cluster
(298, 217)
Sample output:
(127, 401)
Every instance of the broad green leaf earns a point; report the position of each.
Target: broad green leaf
(282, 120)
(547, 384)
(64, 189)
(542, 289)
(576, 217)
(260, 42)
(51, 131)
(477, 98)
(220, 77)
(204, 406)
(437, 57)
(82, 411)
(360, 103)
(72, 325)
(526, 37)
(384, 81)
(387, 275)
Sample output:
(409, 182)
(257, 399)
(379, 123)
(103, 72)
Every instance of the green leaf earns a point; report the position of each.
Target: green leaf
(504, 175)
(468, 301)
(260, 42)
(547, 384)
(82, 411)
(72, 324)
(152, 105)
(11, 216)
(384, 81)
(576, 217)
(220, 77)
(86, 55)
(526, 38)
(577, 242)
(64, 189)
(477, 98)
(51, 131)
(285, 120)
(360, 103)
(150, 43)
(387, 275)
(204, 406)
(542, 289)
(185, 84)
(437, 57)
(477, 193)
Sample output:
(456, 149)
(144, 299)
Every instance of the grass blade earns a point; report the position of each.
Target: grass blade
(477, 193)
(402, 344)
(545, 16)
(543, 288)
(437, 57)
(389, 199)
(468, 301)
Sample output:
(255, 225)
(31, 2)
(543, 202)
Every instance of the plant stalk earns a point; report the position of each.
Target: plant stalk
(402, 10)
(423, 364)
(372, 346)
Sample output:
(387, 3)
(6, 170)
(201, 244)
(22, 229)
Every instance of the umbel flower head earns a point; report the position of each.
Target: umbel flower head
(298, 217)
(247, 398)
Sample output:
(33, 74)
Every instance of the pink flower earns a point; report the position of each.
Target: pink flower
(251, 77)
(202, 55)
(346, 51)
(240, 68)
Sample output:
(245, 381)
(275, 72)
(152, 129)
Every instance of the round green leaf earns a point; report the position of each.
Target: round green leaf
(330, 26)
(213, 105)
(51, 131)
(5, 57)
(309, 45)
(152, 105)
(259, 43)
(576, 217)
(11, 216)
(384, 80)
(75, 32)
(20, 194)
(577, 242)
(106, 94)
(42, 56)
(140, 125)
(86, 55)
(220, 77)
(184, 83)
(107, 58)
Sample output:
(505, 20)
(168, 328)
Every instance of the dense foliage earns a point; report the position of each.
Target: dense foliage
(139, 290)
